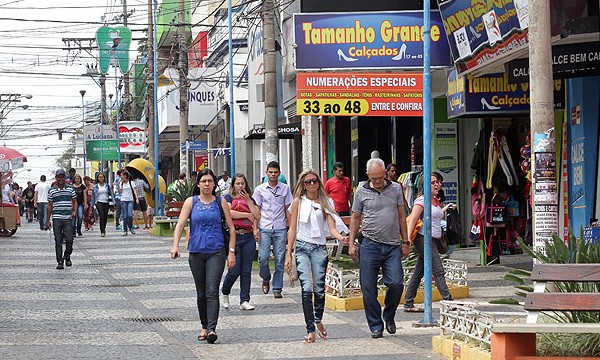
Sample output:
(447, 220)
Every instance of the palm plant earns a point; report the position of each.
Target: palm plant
(181, 191)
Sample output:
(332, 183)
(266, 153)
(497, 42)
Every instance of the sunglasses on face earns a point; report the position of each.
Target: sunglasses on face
(311, 181)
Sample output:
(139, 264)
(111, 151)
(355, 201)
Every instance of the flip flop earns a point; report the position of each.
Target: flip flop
(413, 309)
(309, 338)
(321, 331)
(202, 337)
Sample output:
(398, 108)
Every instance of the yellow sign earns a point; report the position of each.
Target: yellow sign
(346, 107)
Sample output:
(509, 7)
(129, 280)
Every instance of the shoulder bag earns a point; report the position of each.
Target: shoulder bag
(224, 226)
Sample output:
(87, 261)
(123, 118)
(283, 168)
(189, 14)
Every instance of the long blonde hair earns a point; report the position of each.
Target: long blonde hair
(300, 190)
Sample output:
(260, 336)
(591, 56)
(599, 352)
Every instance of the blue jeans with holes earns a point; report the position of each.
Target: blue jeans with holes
(207, 270)
(311, 261)
(277, 238)
(375, 256)
(245, 245)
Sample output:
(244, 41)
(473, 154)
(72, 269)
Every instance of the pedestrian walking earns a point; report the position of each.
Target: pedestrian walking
(62, 207)
(28, 195)
(245, 215)
(127, 200)
(117, 200)
(41, 201)
(273, 199)
(140, 203)
(379, 208)
(340, 190)
(101, 197)
(313, 219)
(207, 247)
(224, 183)
(77, 183)
(89, 216)
(437, 215)
(391, 171)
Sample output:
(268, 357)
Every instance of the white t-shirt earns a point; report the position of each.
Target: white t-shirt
(126, 191)
(6, 190)
(42, 191)
(437, 215)
(225, 185)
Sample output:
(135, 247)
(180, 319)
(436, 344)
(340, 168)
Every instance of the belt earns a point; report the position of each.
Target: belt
(242, 231)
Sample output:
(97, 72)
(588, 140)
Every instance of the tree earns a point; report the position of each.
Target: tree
(64, 160)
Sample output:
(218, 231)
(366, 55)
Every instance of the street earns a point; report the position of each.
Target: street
(124, 298)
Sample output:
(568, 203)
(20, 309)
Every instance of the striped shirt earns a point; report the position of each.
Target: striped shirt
(61, 201)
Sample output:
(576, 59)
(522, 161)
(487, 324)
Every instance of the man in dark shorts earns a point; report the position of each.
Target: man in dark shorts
(29, 196)
(140, 204)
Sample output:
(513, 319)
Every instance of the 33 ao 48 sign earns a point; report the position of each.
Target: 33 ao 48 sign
(349, 107)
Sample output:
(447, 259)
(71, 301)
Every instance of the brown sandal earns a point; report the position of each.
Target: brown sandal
(309, 338)
(321, 331)
(203, 335)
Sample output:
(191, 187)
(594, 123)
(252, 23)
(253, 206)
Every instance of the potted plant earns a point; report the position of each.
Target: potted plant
(177, 195)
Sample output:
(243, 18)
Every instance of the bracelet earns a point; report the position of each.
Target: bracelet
(232, 250)
(406, 243)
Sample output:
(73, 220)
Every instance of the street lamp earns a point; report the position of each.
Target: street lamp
(7, 99)
(11, 126)
(82, 92)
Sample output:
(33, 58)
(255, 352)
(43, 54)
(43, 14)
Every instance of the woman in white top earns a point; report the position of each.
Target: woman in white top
(101, 197)
(437, 214)
(313, 218)
(127, 200)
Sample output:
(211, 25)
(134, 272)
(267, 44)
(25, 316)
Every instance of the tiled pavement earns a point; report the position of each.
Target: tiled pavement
(124, 298)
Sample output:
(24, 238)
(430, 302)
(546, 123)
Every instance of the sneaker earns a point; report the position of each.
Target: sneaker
(136, 227)
(246, 306)
(131, 231)
(68, 262)
(225, 301)
(60, 266)
(119, 227)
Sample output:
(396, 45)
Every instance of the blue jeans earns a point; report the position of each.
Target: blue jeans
(244, 254)
(207, 270)
(117, 211)
(78, 220)
(277, 238)
(373, 257)
(127, 214)
(42, 213)
(437, 270)
(63, 231)
(311, 261)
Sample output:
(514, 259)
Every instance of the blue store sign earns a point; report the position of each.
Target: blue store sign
(492, 94)
(372, 40)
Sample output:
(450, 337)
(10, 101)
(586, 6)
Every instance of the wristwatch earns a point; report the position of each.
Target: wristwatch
(232, 250)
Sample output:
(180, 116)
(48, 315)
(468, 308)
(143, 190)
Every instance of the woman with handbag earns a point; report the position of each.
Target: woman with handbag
(101, 196)
(245, 216)
(437, 214)
(313, 218)
(207, 247)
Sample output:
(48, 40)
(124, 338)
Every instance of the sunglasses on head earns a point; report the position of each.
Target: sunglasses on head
(311, 181)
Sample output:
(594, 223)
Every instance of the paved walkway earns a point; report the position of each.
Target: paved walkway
(124, 298)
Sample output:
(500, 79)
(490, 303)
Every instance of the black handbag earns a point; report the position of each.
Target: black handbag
(441, 244)
(224, 225)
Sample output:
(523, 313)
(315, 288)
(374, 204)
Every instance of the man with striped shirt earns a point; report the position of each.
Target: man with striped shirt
(62, 208)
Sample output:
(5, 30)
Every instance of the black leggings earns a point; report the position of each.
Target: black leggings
(103, 215)
(207, 270)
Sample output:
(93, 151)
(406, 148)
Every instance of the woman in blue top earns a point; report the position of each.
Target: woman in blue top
(207, 248)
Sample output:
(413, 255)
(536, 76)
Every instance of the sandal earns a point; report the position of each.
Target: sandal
(203, 335)
(309, 338)
(212, 337)
(413, 309)
(321, 331)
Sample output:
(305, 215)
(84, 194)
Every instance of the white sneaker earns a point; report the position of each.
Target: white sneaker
(246, 306)
(225, 301)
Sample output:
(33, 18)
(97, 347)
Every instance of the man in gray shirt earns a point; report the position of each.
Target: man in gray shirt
(379, 207)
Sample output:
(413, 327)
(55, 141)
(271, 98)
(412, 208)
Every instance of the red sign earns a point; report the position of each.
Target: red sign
(201, 161)
(360, 94)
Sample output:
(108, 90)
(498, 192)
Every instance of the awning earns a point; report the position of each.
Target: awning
(285, 131)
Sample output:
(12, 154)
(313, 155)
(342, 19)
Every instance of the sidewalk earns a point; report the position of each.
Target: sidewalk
(124, 298)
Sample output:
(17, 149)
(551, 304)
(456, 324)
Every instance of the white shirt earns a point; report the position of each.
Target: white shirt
(6, 190)
(225, 185)
(126, 191)
(42, 191)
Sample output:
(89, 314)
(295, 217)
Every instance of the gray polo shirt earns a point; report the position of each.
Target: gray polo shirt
(379, 212)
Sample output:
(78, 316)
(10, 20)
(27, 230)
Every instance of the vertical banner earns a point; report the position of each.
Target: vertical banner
(446, 159)
(330, 146)
(201, 162)
(545, 189)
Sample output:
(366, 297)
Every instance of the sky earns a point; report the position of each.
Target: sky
(33, 60)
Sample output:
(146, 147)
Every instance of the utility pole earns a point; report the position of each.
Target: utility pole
(150, 85)
(270, 71)
(127, 103)
(103, 117)
(183, 90)
(545, 196)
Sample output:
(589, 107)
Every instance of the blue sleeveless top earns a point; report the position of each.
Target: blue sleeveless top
(206, 235)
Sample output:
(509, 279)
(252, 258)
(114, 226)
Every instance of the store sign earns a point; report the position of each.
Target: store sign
(197, 145)
(492, 93)
(97, 132)
(102, 150)
(359, 94)
(132, 136)
(285, 131)
(372, 40)
(113, 44)
(481, 33)
(568, 61)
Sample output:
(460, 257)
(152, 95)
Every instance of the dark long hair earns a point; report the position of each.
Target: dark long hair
(233, 190)
(203, 172)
